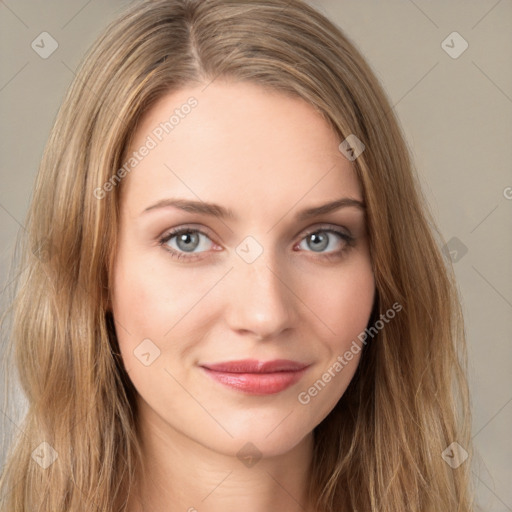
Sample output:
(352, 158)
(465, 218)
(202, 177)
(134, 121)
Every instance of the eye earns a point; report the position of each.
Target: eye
(327, 238)
(184, 242)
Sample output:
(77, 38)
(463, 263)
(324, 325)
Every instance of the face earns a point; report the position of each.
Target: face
(229, 317)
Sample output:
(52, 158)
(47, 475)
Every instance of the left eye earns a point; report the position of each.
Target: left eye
(320, 240)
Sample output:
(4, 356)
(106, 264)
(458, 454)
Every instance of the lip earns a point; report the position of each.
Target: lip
(256, 377)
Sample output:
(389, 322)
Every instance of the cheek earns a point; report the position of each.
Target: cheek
(148, 297)
(342, 303)
(343, 300)
(137, 307)
(152, 301)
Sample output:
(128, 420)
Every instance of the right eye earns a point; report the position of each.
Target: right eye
(184, 241)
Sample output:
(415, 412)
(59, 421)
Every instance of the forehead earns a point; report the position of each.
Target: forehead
(236, 144)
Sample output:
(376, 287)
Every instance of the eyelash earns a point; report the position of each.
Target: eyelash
(349, 240)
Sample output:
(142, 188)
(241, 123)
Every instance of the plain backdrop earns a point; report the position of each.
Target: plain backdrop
(456, 112)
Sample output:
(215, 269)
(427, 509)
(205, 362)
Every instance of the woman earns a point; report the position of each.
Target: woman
(232, 292)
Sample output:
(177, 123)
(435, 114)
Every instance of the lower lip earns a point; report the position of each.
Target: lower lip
(257, 383)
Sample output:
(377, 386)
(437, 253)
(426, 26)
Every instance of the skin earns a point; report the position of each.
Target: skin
(266, 156)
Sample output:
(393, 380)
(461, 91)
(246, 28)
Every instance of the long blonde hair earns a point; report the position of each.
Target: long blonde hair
(381, 447)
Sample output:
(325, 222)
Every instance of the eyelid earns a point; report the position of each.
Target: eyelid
(325, 227)
(207, 232)
(187, 227)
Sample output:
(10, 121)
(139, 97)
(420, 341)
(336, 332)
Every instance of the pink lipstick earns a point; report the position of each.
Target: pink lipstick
(256, 377)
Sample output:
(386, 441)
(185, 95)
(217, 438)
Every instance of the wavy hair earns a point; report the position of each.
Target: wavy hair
(380, 448)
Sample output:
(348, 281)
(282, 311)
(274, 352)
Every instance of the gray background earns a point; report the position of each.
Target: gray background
(455, 112)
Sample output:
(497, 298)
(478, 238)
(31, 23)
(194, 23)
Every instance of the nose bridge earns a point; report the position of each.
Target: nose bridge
(260, 300)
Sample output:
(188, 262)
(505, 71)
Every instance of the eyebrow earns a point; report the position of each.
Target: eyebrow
(215, 210)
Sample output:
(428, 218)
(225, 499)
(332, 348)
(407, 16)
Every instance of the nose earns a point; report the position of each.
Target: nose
(261, 301)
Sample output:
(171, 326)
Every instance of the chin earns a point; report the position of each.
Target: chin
(275, 436)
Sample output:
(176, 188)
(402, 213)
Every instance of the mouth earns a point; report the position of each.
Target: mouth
(256, 377)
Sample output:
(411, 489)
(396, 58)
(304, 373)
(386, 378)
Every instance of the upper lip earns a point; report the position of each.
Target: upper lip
(255, 366)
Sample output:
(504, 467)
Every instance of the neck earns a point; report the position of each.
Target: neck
(179, 474)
